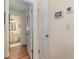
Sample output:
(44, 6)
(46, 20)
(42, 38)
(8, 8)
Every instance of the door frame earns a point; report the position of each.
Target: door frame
(31, 26)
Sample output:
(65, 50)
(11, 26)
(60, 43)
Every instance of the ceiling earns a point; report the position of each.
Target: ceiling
(18, 5)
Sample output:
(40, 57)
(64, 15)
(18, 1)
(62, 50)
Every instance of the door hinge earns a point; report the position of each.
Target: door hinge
(32, 50)
(38, 9)
(31, 10)
(39, 51)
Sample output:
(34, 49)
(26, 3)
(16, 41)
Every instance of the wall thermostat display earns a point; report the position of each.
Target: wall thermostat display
(58, 14)
(69, 9)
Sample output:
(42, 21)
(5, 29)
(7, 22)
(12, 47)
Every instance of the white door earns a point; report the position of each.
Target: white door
(43, 12)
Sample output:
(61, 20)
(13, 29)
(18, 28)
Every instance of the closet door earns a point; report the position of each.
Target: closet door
(43, 13)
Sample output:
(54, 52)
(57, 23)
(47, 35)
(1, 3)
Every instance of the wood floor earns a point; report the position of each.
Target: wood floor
(19, 52)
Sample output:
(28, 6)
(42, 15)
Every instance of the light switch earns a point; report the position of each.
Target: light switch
(68, 27)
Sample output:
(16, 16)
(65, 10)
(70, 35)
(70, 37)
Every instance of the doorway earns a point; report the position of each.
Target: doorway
(15, 30)
(20, 29)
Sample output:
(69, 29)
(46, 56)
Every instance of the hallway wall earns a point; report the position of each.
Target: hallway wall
(61, 40)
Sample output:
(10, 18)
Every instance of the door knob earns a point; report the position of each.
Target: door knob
(47, 35)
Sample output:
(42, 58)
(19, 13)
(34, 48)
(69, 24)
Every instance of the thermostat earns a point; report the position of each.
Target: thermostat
(69, 9)
(58, 14)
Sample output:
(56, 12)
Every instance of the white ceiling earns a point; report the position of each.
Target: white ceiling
(18, 5)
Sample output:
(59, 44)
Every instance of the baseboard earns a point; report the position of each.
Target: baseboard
(24, 45)
(6, 57)
(14, 45)
(29, 51)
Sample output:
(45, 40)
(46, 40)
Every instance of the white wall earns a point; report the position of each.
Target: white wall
(61, 30)
(27, 31)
